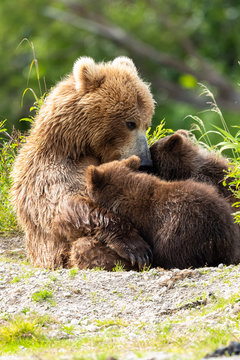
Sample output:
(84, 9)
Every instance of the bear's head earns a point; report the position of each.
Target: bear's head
(101, 109)
(174, 157)
(106, 184)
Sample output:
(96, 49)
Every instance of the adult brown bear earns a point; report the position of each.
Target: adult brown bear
(97, 114)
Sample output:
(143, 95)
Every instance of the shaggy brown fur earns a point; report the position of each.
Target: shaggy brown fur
(187, 223)
(175, 157)
(97, 114)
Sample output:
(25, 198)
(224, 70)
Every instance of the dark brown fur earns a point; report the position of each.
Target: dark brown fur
(187, 223)
(84, 120)
(175, 157)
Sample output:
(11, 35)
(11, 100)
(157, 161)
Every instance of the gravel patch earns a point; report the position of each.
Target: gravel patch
(88, 295)
(79, 298)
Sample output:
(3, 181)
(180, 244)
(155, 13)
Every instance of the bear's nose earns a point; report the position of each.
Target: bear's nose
(146, 165)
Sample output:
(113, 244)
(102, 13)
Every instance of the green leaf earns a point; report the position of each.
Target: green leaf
(188, 81)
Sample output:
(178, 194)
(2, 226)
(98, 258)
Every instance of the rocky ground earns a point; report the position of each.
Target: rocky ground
(178, 304)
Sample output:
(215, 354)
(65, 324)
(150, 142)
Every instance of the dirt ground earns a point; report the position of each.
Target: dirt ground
(189, 302)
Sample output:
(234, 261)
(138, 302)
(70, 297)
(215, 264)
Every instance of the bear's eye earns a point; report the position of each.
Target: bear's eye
(131, 125)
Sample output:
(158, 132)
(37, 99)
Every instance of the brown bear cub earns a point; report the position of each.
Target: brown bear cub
(187, 223)
(98, 113)
(176, 157)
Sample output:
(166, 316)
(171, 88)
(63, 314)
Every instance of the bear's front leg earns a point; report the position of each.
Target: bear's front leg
(78, 213)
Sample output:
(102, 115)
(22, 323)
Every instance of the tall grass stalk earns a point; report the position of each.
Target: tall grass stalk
(9, 145)
(229, 142)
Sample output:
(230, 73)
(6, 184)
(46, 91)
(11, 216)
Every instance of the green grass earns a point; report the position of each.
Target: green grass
(73, 272)
(43, 295)
(158, 133)
(9, 146)
(8, 150)
(196, 340)
(118, 267)
(229, 145)
(22, 331)
(16, 279)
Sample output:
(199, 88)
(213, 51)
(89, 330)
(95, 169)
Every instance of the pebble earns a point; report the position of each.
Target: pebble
(67, 294)
(149, 356)
(74, 322)
(92, 328)
(236, 309)
(63, 319)
(165, 307)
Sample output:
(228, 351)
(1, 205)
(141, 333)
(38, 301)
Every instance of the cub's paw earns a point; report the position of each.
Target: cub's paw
(133, 248)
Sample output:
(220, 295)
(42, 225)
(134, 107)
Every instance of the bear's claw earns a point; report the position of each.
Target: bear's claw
(132, 259)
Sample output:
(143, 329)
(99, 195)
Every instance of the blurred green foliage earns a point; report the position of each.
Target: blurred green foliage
(8, 150)
(175, 44)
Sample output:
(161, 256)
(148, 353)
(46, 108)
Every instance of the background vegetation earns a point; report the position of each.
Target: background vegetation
(175, 44)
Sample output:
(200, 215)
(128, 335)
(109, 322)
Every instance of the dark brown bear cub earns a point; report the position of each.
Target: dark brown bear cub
(176, 157)
(187, 223)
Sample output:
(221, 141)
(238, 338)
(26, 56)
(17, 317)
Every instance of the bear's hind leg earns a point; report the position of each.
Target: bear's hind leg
(46, 251)
(89, 253)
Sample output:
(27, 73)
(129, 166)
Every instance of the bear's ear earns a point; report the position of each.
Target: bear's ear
(124, 61)
(132, 162)
(94, 177)
(87, 74)
(174, 143)
(182, 132)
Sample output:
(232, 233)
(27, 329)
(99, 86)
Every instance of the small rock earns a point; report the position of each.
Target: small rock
(63, 319)
(158, 356)
(92, 328)
(165, 307)
(132, 336)
(236, 309)
(85, 322)
(67, 294)
(74, 322)
(11, 309)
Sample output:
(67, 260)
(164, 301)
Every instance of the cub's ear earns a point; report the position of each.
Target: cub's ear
(87, 74)
(124, 61)
(183, 133)
(174, 143)
(94, 177)
(132, 162)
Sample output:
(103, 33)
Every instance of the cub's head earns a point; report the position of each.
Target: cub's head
(174, 156)
(109, 182)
